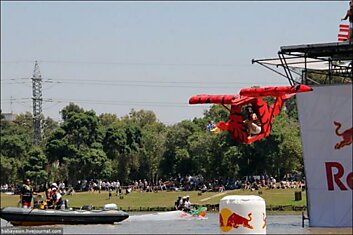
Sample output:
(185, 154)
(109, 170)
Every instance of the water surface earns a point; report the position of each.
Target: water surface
(171, 223)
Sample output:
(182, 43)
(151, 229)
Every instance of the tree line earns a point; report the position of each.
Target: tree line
(138, 146)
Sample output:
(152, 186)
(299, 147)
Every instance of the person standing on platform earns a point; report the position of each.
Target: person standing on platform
(26, 194)
(349, 15)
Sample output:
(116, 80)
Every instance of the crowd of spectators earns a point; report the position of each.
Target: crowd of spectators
(257, 183)
(186, 183)
(194, 183)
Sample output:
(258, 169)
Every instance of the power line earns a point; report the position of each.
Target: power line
(95, 101)
(22, 102)
(125, 83)
(120, 102)
(49, 80)
(14, 99)
(134, 83)
(140, 81)
(141, 85)
(131, 63)
(37, 88)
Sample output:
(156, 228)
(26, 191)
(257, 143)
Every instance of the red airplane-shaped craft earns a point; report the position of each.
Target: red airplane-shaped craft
(250, 96)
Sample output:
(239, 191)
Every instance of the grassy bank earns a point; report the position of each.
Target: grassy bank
(276, 199)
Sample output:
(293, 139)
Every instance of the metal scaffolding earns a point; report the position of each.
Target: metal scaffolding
(331, 60)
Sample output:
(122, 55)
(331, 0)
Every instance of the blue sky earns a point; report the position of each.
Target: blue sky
(116, 56)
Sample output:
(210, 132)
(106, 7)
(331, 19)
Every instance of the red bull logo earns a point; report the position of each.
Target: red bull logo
(264, 220)
(346, 136)
(335, 175)
(230, 220)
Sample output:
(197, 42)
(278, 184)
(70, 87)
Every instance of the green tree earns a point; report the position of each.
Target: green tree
(58, 146)
(25, 121)
(68, 146)
(217, 113)
(35, 166)
(48, 125)
(176, 140)
(94, 162)
(199, 148)
(142, 117)
(114, 142)
(153, 139)
(82, 128)
(315, 77)
(9, 168)
(122, 143)
(13, 146)
(184, 164)
(107, 119)
(15, 141)
(289, 155)
(69, 110)
(20, 131)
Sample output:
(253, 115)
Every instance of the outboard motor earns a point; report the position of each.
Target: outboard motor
(111, 206)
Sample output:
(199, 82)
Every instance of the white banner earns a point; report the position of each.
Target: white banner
(325, 117)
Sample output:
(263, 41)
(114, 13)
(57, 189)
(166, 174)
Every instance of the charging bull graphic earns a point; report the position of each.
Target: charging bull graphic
(229, 220)
(264, 220)
(236, 220)
(346, 136)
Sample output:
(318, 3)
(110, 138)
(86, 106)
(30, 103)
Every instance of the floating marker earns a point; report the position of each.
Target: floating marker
(242, 214)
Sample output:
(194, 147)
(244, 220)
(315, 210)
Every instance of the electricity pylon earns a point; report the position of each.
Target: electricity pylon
(37, 103)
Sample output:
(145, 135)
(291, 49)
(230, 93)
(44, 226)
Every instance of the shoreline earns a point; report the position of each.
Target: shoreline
(215, 208)
(276, 200)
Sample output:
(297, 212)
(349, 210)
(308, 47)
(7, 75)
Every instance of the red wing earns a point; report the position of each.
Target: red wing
(219, 99)
(275, 91)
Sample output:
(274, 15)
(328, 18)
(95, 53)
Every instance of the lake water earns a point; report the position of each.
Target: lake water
(171, 223)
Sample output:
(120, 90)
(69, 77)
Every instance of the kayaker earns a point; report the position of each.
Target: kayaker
(26, 194)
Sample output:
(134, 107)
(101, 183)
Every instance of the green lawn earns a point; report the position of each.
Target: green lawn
(165, 200)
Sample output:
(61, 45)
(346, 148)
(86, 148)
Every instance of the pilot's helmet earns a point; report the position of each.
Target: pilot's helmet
(249, 109)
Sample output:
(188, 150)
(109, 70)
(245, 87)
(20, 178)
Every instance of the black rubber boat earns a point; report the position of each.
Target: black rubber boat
(29, 217)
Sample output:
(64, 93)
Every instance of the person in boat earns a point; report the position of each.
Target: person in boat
(49, 193)
(187, 204)
(181, 205)
(39, 202)
(26, 194)
(177, 203)
(252, 122)
(57, 201)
